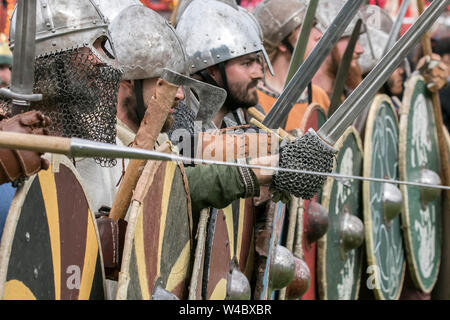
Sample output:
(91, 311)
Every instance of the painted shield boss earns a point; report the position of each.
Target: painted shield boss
(340, 251)
(50, 246)
(419, 161)
(383, 202)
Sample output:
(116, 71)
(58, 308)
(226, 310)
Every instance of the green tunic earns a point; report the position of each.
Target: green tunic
(214, 186)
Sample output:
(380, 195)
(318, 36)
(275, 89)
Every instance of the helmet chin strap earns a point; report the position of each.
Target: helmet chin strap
(139, 92)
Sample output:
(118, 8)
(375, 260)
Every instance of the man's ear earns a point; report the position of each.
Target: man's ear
(214, 72)
(282, 48)
(127, 86)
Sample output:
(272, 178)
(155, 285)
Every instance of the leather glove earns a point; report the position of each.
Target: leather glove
(434, 71)
(17, 164)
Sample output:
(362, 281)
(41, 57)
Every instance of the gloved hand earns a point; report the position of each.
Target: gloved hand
(279, 195)
(16, 164)
(307, 153)
(434, 71)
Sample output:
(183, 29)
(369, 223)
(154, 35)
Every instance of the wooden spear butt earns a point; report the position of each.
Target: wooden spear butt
(149, 130)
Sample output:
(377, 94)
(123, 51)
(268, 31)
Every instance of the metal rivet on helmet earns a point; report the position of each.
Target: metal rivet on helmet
(150, 49)
(55, 22)
(235, 31)
(278, 19)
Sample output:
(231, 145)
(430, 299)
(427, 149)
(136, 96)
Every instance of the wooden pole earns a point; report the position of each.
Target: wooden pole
(155, 116)
(445, 164)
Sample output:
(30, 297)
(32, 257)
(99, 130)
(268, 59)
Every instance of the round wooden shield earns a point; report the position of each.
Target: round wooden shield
(229, 243)
(158, 246)
(383, 235)
(50, 246)
(314, 118)
(339, 274)
(418, 150)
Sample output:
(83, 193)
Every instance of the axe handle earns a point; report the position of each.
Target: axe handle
(155, 116)
(37, 143)
(428, 51)
(263, 127)
(259, 116)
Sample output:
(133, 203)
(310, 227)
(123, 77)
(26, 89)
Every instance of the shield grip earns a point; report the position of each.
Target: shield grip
(155, 116)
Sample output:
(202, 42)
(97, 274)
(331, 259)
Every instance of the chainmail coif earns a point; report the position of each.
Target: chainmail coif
(79, 96)
(309, 153)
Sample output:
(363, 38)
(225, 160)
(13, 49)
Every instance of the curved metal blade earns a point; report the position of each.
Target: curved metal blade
(308, 69)
(22, 77)
(206, 99)
(359, 99)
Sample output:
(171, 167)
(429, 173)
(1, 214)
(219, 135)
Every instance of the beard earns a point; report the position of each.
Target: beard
(354, 77)
(242, 96)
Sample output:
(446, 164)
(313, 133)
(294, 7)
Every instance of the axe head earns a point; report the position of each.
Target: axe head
(204, 99)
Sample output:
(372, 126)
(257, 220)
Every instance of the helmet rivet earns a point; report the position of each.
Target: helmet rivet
(204, 61)
(48, 24)
(44, 6)
(54, 44)
(218, 56)
(193, 66)
(94, 22)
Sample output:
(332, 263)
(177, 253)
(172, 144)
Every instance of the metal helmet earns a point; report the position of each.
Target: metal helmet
(111, 8)
(278, 19)
(65, 24)
(146, 44)
(327, 11)
(217, 31)
(378, 26)
(185, 3)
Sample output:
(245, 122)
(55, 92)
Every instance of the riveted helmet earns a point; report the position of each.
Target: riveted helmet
(217, 31)
(378, 26)
(146, 44)
(64, 25)
(74, 71)
(278, 19)
(111, 8)
(327, 11)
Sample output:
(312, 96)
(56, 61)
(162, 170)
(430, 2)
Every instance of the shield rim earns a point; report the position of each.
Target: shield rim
(297, 244)
(15, 211)
(404, 113)
(136, 209)
(367, 161)
(322, 286)
(309, 110)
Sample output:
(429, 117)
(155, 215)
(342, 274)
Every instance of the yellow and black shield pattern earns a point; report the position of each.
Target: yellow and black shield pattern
(158, 244)
(229, 241)
(50, 246)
